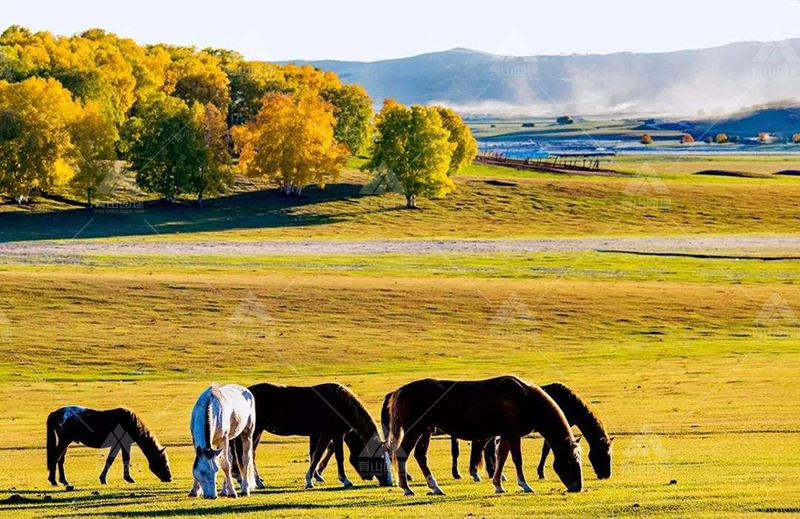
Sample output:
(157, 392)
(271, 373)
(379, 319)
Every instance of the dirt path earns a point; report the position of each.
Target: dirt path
(732, 245)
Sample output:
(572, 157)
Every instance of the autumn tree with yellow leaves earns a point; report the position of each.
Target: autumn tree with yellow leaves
(291, 142)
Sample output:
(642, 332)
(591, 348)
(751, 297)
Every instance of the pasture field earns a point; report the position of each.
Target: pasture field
(693, 379)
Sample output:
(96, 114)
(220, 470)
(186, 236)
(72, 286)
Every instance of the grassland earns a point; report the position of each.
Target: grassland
(699, 391)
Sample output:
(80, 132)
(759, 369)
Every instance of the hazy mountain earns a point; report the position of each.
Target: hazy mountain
(715, 80)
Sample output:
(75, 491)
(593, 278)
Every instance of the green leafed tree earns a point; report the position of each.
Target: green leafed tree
(352, 108)
(413, 145)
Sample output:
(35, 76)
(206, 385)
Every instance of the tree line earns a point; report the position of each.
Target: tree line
(187, 121)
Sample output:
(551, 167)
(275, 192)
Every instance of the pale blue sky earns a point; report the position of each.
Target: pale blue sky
(381, 29)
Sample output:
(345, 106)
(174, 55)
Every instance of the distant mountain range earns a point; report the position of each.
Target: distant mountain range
(701, 82)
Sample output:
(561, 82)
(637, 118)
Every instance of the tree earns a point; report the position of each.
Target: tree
(250, 81)
(721, 138)
(215, 176)
(165, 145)
(94, 137)
(291, 141)
(796, 138)
(460, 134)
(687, 138)
(646, 139)
(352, 108)
(34, 139)
(414, 146)
(199, 78)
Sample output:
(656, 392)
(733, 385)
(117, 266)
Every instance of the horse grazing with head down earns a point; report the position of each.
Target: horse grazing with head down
(220, 415)
(504, 407)
(115, 429)
(329, 414)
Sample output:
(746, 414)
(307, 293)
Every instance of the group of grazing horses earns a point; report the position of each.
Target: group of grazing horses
(227, 423)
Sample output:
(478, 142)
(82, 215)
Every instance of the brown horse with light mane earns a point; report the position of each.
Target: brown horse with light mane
(504, 407)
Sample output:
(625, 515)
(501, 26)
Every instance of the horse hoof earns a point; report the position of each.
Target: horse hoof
(318, 478)
(260, 485)
(476, 478)
(69, 488)
(408, 492)
(210, 497)
(437, 492)
(53, 482)
(347, 484)
(309, 486)
(456, 475)
(526, 489)
(192, 494)
(128, 479)
(499, 490)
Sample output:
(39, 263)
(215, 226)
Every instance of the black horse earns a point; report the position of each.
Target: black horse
(327, 414)
(115, 429)
(504, 407)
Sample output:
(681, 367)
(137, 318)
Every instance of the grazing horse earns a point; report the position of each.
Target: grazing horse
(115, 429)
(578, 413)
(504, 406)
(327, 414)
(220, 415)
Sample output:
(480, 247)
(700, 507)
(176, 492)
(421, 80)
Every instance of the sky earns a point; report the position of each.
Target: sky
(373, 30)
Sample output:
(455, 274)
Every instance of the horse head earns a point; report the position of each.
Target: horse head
(600, 458)
(370, 459)
(567, 464)
(205, 470)
(159, 465)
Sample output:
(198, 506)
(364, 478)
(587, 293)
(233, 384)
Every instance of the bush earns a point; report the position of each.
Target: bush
(796, 138)
(687, 138)
(646, 139)
(721, 138)
(565, 120)
(528, 125)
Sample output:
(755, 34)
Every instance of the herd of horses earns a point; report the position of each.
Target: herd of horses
(227, 423)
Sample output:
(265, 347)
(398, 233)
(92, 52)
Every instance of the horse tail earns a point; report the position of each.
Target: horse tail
(395, 432)
(385, 419)
(52, 440)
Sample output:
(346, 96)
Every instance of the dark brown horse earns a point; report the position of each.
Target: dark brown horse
(578, 413)
(327, 414)
(504, 407)
(115, 429)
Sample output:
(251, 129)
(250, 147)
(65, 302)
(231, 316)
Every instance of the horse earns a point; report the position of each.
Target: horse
(329, 414)
(504, 406)
(578, 413)
(220, 415)
(116, 429)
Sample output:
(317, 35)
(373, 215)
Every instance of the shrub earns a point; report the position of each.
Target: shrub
(646, 139)
(796, 138)
(687, 138)
(721, 138)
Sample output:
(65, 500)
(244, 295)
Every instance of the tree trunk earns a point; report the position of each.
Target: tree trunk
(411, 201)
(200, 197)
(89, 204)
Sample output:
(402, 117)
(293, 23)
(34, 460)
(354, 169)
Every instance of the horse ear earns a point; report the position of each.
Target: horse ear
(163, 450)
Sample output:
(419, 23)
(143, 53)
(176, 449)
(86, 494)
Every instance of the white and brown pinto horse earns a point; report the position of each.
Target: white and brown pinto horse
(220, 415)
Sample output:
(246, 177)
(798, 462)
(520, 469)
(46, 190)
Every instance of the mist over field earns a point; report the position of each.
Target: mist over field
(684, 83)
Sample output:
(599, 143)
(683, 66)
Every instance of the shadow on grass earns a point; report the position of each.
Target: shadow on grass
(247, 210)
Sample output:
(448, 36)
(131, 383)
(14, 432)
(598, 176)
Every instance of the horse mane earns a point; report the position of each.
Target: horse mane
(213, 392)
(354, 412)
(139, 432)
(578, 411)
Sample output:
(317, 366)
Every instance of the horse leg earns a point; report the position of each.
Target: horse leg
(247, 468)
(502, 455)
(61, 476)
(421, 455)
(228, 490)
(112, 455)
(338, 450)
(126, 464)
(53, 459)
(316, 445)
(545, 452)
(323, 463)
(475, 453)
(410, 439)
(490, 457)
(516, 455)
(256, 441)
(455, 453)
